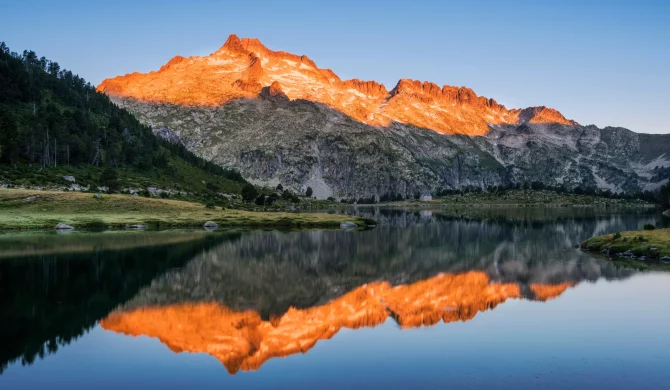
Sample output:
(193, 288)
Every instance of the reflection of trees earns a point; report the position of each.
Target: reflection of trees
(270, 271)
(49, 301)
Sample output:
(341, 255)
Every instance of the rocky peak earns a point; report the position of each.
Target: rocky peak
(274, 93)
(543, 114)
(233, 43)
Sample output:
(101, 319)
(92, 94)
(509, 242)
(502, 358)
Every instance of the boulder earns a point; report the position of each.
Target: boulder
(211, 224)
(348, 225)
(665, 259)
(71, 179)
(97, 196)
(642, 258)
(627, 254)
(62, 226)
(136, 227)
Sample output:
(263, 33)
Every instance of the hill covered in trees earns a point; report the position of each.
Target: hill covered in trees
(54, 123)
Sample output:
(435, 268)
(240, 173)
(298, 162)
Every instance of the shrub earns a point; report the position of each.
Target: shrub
(210, 204)
(249, 192)
(165, 195)
(617, 235)
(260, 201)
(110, 179)
(309, 192)
(271, 199)
(649, 226)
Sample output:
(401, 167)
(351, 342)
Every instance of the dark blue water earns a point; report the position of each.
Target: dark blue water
(607, 328)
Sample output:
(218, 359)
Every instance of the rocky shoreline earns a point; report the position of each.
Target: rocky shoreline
(651, 245)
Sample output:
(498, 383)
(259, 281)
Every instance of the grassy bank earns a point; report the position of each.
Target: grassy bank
(638, 242)
(513, 198)
(29, 209)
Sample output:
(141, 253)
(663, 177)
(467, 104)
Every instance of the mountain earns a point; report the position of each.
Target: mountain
(54, 124)
(279, 118)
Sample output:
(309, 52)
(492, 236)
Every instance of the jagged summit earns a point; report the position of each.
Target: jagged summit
(242, 68)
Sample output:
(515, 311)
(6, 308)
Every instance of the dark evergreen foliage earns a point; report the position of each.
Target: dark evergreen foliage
(249, 193)
(50, 116)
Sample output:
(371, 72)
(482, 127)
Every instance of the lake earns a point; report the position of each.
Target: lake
(475, 298)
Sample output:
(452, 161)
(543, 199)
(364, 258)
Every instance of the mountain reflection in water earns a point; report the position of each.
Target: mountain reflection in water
(242, 340)
(247, 297)
(275, 294)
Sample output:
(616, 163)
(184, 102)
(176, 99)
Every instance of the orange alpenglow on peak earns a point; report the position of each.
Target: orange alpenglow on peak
(241, 68)
(243, 340)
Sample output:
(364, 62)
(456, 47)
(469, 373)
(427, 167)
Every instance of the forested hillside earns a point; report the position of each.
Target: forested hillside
(52, 119)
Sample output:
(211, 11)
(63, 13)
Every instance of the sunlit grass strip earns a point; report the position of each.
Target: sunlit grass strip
(639, 242)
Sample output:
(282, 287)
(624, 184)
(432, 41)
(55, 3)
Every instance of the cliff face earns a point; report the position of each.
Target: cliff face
(279, 118)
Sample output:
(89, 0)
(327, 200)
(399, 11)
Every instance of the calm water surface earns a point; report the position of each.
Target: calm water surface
(495, 299)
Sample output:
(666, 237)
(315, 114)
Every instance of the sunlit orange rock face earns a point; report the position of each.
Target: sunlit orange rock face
(242, 340)
(243, 67)
(545, 292)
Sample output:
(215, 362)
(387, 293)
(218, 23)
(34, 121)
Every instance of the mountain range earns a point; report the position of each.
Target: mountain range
(279, 118)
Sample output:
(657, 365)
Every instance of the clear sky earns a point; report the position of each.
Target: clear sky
(598, 62)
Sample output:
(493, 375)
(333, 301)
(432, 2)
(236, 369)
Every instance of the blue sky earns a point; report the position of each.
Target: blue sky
(598, 62)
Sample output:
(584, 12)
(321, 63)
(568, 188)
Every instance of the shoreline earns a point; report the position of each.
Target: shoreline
(640, 245)
(43, 210)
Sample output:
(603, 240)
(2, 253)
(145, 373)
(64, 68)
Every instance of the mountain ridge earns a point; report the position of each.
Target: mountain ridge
(241, 68)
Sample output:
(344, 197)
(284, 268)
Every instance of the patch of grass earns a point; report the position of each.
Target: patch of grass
(29, 209)
(639, 242)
